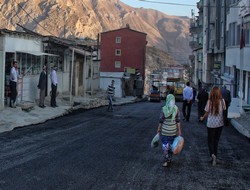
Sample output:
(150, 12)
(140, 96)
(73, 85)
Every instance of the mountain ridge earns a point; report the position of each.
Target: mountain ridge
(72, 18)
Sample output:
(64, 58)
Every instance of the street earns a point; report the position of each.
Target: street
(96, 149)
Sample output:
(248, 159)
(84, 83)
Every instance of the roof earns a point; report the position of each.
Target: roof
(126, 28)
(72, 42)
(6, 31)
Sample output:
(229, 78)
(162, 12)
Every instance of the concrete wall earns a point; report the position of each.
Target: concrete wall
(16, 43)
(107, 77)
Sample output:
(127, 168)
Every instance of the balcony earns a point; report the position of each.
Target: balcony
(195, 29)
(200, 5)
(195, 45)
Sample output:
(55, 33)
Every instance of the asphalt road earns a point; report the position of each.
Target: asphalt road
(101, 150)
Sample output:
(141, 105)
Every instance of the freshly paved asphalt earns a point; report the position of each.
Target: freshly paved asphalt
(11, 118)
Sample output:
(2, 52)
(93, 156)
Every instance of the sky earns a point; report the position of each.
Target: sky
(169, 7)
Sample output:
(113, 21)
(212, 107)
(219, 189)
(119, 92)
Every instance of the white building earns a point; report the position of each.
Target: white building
(237, 60)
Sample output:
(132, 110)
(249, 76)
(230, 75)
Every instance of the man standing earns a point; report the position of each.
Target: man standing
(42, 86)
(187, 101)
(226, 95)
(111, 93)
(13, 84)
(202, 98)
(54, 82)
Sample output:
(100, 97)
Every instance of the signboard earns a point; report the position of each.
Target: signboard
(217, 64)
(129, 70)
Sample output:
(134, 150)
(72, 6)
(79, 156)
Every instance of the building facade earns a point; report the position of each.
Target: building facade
(225, 26)
(123, 53)
(78, 66)
(237, 67)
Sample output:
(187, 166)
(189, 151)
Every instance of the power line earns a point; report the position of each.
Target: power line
(160, 2)
(189, 5)
(34, 19)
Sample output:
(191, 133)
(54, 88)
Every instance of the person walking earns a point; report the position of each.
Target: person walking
(194, 95)
(42, 86)
(202, 98)
(13, 84)
(54, 83)
(111, 93)
(123, 86)
(187, 101)
(226, 95)
(169, 127)
(214, 114)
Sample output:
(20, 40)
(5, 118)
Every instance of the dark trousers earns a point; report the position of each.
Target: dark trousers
(227, 106)
(42, 97)
(186, 109)
(53, 95)
(110, 106)
(201, 109)
(213, 137)
(13, 92)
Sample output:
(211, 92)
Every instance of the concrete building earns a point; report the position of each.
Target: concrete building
(237, 67)
(208, 32)
(224, 60)
(123, 53)
(78, 72)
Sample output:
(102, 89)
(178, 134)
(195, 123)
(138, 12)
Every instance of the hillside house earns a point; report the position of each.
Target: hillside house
(123, 54)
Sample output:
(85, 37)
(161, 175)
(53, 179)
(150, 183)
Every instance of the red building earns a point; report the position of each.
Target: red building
(123, 53)
(123, 48)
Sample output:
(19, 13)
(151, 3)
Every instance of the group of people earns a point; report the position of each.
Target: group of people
(210, 107)
(42, 84)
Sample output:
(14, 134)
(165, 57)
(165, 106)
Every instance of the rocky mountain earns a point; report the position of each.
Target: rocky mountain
(87, 18)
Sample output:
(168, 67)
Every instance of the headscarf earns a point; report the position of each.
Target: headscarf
(170, 108)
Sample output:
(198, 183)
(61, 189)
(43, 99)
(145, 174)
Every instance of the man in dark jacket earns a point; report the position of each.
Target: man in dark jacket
(202, 98)
(226, 95)
(42, 86)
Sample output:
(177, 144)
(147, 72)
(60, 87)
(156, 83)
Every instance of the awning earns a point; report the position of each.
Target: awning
(80, 51)
(37, 53)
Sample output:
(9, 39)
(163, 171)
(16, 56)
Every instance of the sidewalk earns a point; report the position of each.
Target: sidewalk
(241, 122)
(11, 118)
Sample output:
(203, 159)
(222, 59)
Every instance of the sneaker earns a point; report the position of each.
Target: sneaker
(213, 160)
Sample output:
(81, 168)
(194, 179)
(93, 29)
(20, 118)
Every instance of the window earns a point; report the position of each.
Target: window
(117, 64)
(247, 33)
(232, 34)
(118, 40)
(118, 52)
(29, 64)
(238, 35)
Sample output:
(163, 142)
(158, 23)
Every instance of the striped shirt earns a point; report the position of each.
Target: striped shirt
(169, 128)
(111, 90)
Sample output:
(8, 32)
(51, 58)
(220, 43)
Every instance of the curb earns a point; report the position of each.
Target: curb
(241, 129)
